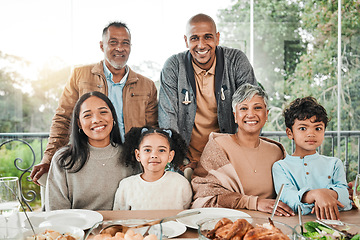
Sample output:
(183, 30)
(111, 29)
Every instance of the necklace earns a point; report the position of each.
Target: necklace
(253, 153)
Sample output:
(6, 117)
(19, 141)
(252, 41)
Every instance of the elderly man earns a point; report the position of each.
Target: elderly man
(197, 85)
(133, 95)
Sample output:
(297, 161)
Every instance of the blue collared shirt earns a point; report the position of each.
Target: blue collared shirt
(312, 172)
(115, 93)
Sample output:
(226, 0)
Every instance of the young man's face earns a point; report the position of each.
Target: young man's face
(308, 135)
(201, 39)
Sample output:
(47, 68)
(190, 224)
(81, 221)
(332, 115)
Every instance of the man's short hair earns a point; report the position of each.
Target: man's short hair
(117, 25)
(304, 108)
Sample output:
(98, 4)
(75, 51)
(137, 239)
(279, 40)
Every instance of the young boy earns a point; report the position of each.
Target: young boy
(315, 182)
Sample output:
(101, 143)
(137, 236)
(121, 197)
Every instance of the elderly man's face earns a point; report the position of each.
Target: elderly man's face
(116, 45)
(201, 38)
(251, 115)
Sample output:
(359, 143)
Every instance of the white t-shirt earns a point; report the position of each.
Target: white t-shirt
(171, 191)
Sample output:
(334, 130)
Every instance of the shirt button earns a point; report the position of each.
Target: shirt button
(329, 177)
(305, 164)
(307, 173)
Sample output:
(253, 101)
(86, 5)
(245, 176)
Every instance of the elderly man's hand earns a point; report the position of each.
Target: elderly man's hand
(38, 171)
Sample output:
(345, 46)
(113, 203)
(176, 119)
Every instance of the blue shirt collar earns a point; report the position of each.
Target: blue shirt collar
(109, 75)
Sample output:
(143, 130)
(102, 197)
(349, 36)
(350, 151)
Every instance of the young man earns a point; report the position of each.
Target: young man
(197, 86)
(312, 181)
(133, 95)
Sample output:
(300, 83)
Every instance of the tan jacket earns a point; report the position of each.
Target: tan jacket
(139, 98)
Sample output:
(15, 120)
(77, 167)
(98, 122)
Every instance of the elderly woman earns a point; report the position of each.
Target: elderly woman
(235, 169)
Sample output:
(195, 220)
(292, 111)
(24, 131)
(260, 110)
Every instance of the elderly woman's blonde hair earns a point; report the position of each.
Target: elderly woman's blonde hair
(246, 92)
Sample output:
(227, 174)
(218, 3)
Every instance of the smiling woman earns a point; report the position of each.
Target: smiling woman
(95, 148)
(243, 158)
(96, 121)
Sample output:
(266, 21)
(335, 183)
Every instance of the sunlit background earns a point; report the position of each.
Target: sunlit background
(63, 32)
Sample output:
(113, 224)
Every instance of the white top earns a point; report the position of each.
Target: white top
(171, 191)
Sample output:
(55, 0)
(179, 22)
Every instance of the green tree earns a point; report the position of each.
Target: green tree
(277, 44)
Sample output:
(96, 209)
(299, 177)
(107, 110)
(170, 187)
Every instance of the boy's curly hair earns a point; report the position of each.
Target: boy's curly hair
(135, 136)
(302, 109)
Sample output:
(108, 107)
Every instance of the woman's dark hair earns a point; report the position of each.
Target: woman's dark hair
(304, 108)
(136, 134)
(74, 156)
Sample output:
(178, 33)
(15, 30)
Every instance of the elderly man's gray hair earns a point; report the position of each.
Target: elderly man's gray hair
(246, 92)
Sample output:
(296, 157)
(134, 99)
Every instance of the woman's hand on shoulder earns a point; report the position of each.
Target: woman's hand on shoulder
(267, 205)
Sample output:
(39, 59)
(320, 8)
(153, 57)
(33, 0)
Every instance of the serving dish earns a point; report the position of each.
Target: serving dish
(75, 232)
(169, 229)
(208, 224)
(352, 229)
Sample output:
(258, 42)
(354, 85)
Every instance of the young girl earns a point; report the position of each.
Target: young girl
(91, 162)
(154, 188)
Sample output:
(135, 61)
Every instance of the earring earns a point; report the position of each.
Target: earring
(79, 130)
(114, 123)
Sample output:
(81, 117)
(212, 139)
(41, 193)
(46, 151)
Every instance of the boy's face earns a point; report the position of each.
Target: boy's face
(308, 135)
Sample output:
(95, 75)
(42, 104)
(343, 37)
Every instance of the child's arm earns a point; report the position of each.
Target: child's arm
(326, 203)
(291, 195)
(339, 184)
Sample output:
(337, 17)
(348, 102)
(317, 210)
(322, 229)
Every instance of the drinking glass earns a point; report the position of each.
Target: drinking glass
(9, 201)
(356, 195)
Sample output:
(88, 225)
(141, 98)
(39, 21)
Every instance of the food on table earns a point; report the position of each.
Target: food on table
(315, 230)
(52, 235)
(129, 235)
(241, 229)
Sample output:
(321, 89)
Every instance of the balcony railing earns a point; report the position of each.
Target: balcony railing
(350, 149)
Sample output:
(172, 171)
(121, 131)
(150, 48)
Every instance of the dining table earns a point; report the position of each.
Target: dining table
(352, 216)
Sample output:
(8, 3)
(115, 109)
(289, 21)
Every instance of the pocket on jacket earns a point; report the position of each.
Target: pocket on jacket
(86, 86)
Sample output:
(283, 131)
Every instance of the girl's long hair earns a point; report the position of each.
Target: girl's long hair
(135, 136)
(74, 156)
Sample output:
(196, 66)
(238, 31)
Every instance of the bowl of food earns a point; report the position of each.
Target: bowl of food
(330, 230)
(233, 228)
(124, 229)
(55, 232)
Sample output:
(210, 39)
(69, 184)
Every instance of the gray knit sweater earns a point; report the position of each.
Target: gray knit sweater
(177, 80)
(93, 187)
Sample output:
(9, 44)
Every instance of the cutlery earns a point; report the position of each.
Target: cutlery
(24, 210)
(300, 220)
(344, 234)
(277, 201)
(113, 228)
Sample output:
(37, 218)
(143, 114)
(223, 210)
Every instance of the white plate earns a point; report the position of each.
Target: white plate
(80, 218)
(76, 232)
(170, 229)
(209, 213)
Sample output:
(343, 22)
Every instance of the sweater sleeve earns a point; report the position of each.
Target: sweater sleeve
(290, 194)
(216, 184)
(120, 196)
(186, 194)
(168, 95)
(57, 192)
